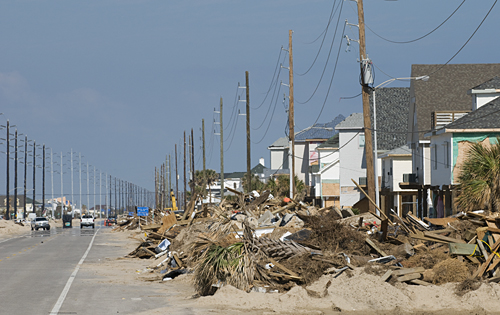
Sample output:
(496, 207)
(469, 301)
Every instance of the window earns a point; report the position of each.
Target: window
(435, 157)
(447, 154)
(361, 141)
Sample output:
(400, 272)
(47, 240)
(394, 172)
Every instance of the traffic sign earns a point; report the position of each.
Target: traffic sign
(142, 211)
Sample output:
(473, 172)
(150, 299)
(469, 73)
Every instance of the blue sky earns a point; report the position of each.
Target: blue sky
(120, 81)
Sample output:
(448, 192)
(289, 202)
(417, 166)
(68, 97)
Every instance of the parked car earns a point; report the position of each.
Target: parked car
(109, 221)
(87, 220)
(40, 223)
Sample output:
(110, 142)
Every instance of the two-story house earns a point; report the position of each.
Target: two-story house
(435, 103)
(449, 144)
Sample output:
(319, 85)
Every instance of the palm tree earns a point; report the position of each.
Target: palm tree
(480, 178)
(202, 180)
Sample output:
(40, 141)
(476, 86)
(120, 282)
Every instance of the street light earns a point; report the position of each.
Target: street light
(375, 169)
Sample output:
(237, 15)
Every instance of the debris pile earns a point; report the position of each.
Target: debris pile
(268, 244)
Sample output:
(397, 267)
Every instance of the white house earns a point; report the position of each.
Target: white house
(327, 174)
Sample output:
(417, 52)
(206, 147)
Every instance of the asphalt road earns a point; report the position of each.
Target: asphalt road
(40, 273)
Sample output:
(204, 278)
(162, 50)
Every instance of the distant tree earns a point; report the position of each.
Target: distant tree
(255, 183)
(479, 179)
(203, 179)
(280, 187)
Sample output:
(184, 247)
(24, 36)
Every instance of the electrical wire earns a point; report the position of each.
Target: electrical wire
(328, 58)
(270, 120)
(325, 31)
(326, 28)
(421, 37)
(331, 81)
(270, 105)
(273, 82)
(468, 40)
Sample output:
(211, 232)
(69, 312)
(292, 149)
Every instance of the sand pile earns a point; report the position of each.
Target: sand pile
(8, 227)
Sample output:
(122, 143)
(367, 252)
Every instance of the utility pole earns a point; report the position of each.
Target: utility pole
(221, 154)
(176, 177)
(15, 176)
(25, 171)
(71, 166)
(88, 189)
(34, 174)
(51, 182)
(204, 160)
(190, 179)
(80, 162)
(7, 213)
(115, 198)
(192, 162)
(249, 166)
(94, 190)
(185, 190)
(43, 179)
(110, 181)
(100, 196)
(291, 117)
(62, 186)
(370, 180)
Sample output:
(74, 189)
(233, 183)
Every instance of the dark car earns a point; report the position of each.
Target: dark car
(110, 221)
(40, 223)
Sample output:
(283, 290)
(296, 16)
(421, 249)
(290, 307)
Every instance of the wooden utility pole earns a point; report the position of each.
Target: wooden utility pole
(204, 165)
(15, 176)
(176, 177)
(249, 166)
(7, 212)
(221, 154)
(291, 117)
(370, 180)
(192, 160)
(185, 190)
(190, 177)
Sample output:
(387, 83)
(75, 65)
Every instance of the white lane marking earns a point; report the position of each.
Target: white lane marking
(65, 291)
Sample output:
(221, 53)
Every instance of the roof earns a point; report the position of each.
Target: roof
(355, 120)
(485, 117)
(392, 114)
(490, 84)
(446, 89)
(333, 142)
(280, 143)
(319, 131)
(402, 150)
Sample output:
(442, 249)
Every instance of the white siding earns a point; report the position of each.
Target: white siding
(352, 165)
(442, 155)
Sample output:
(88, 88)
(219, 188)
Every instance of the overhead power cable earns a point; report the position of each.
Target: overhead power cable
(325, 32)
(421, 37)
(273, 81)
(328, 58)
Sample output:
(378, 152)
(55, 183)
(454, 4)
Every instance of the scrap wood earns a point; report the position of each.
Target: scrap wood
(493, 265)
(462, 249)
(167, 222)
(394, 214)
(370, 200)
(443, 238)
(405, 271)
(494, 279)
(409, 277)
(483, 250)
(280, 266)
(375, 247)
(386, 275)
(284, 276)
(473, 260)
(417, 221)
(440, 221)
(178, 261)
(483, 267)
(289, 206)
(239, 193)
(419, 282)
(425, 238)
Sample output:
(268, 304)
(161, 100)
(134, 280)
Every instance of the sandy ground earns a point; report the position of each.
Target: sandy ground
(350, 293)
(8, 228)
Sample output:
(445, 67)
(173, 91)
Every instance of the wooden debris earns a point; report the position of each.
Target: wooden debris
(375, 247)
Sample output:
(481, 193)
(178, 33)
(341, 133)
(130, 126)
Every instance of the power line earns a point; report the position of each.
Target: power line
(273, 82)
(328, 58)
(325, 31)
(421, 37)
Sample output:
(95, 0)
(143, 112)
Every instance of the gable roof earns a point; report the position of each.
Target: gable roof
(354, 121)
(485, 117)
(319, 131)
(490, 84)
(392, 113)
(446, 89)
(281, 143)
(333, 142)
(403, 150)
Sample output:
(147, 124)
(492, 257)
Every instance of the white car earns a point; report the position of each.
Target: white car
(87, 220)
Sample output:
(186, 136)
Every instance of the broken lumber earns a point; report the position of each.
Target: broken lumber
(375, 247)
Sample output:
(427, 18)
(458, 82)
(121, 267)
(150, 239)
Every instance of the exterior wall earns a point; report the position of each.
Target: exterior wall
(441, 159)
(279, 159)
(352, 165)
(482, 99)
(400, 166)
(301, 161)
(461, 143)
(421, 160)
